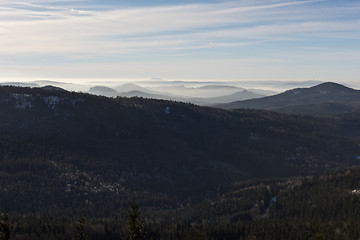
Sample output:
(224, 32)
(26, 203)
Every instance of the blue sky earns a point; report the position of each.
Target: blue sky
(180, 40)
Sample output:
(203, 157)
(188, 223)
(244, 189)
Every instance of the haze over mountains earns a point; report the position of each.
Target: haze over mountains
(179, 120)
(201, 93)
(318, 99)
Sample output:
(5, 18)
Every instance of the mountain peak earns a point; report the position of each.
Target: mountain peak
(102, 89)
(325, 98)
(129, 85)
(52, 88)
(331, 86)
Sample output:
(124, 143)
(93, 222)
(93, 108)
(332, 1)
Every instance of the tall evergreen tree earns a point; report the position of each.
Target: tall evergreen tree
(5, 226)
(136, 223)
(80, 230)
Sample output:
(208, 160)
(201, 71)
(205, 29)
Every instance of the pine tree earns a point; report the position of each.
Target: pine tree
(136, 223)
(199, 234)
(80, 231)
(5, 226)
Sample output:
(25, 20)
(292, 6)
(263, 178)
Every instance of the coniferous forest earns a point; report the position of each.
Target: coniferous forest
(78, 166)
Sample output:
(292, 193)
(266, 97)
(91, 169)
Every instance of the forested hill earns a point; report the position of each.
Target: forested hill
(313, 207)
(323, 99)
(63, 151)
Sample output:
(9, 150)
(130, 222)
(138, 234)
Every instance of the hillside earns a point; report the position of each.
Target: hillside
(63, 151)
(325, 98)
(312, 207)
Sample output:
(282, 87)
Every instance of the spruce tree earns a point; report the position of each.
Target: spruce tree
(136, 223)
(5, 226)
(80, 230)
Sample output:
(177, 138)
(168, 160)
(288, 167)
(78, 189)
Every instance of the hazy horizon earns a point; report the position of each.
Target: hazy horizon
(85, 84)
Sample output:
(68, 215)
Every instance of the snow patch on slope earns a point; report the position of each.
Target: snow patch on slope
(22, 101)
(52, 101)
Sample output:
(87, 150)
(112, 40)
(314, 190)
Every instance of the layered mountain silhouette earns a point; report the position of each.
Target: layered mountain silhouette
(103, 91)
(325, 98)
(133, 90)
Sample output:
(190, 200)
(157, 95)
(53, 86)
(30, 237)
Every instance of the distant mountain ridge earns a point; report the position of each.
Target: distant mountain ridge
(103, 91)
(201, 93)
(325, 98)
(240, 95)
(133, 90)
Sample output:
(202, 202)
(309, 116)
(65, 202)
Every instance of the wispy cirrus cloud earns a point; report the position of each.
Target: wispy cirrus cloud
(81, 32)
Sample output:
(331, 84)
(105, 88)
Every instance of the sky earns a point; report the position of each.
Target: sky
(192, 40)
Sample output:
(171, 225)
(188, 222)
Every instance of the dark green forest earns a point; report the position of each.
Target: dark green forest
(313, 207)
(73, 162)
